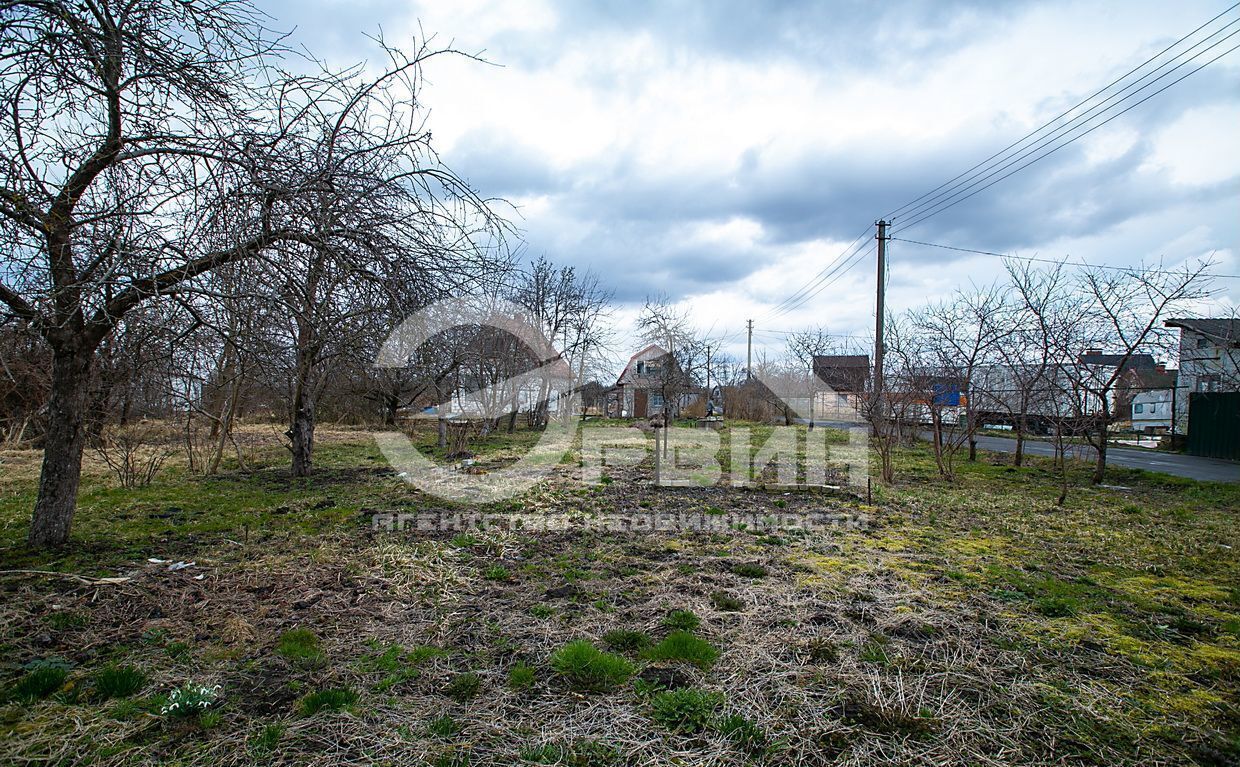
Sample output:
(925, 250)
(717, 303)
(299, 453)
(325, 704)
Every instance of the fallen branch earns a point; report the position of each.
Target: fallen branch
(82, 578)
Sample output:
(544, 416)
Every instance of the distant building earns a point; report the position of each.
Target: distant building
(1209, 360)
(650, 375)
(847, 378)
(1137, 374)
(1151, 410)
(1032, 397)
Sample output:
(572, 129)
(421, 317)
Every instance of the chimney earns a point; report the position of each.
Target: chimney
(1093, 351)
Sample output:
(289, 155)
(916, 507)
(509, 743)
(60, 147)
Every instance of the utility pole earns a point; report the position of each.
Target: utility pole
(880, 309)
(581, 377)
(749, 353)
(708, 371)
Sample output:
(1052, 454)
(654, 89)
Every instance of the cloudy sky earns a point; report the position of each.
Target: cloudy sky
(725, 152)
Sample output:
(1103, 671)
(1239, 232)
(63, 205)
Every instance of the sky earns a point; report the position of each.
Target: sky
(723, 153)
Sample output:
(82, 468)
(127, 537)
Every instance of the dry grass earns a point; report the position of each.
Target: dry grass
(969, 625)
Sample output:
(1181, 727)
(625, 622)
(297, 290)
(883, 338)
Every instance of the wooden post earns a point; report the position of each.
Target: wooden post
(658, 457)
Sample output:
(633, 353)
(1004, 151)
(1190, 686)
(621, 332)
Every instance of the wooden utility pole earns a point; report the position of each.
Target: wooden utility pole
(749, 353)
(708, 371)
(880, 309)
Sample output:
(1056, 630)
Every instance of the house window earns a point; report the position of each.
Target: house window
(656, 400)
(1138, 408)
(1203, 342)
(1207, 382)
(641, 366)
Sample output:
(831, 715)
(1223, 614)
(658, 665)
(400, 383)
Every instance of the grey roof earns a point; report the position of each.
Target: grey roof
(843, 372)
(842, 360)
(1135, 362)
(1223, 331)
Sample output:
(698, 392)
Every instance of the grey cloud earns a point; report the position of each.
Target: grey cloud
(634, 218)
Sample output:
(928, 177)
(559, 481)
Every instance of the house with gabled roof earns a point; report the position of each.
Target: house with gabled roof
(1209, 360)
(650, 376)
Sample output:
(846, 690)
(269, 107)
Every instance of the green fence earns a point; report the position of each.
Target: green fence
(1214, 424)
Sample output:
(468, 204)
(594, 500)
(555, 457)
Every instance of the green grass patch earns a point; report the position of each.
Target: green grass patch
(497, 573)
(463, 687)
(42, 678)
(682, 620)
(727, 603)
(330, 699)
(265, 741)
(686, 710)
(684, 647)
(747, 735)
(588, 669)
(301, 646)
(114, 681)
(521, 677)
(749, 570)
(627, 640)
(443, 727)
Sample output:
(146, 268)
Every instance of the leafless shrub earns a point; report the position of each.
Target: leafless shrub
(134, 453)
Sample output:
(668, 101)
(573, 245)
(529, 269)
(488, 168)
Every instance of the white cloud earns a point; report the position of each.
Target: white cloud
(606, 102)
(1201, 146)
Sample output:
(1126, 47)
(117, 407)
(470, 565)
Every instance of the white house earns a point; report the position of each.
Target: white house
(1151, 410)
(1209, 360)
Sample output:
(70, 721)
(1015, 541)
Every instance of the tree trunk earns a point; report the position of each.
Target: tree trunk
(301, 434)
(1101, 466)
(301, 430)
(224, 425)
(390, 410)
(971, 425)
(1063, 485)
(62, 451)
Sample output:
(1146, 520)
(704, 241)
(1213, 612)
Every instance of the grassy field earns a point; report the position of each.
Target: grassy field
(964, 624)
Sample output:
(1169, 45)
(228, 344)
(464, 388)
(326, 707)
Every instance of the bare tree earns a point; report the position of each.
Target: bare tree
(126, 126)
(388, 226)
(802, 347)
(568, 307)
(24, 382)
(894, 412)
(1120, 311)
(960, 336)
(1026, 383)
(661, 323)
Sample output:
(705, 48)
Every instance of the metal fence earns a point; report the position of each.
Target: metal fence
(1214, 424)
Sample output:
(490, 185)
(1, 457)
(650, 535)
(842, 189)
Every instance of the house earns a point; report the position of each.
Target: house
(847, 377)
(1031, 396)
(1135, 374)
(650, 375)
(934, 393)
(1209, 360)
(1152, 410)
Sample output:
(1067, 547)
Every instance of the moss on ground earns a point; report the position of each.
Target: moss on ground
(966, 618)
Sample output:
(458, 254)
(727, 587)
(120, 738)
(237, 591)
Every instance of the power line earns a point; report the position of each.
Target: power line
(945, 196)
(844, 269)
(944, 201)
(1066, 112)
(1053, 261)
(824, 273)
(1074, 139)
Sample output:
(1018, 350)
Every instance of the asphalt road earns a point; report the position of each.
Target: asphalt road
(1190, 466)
